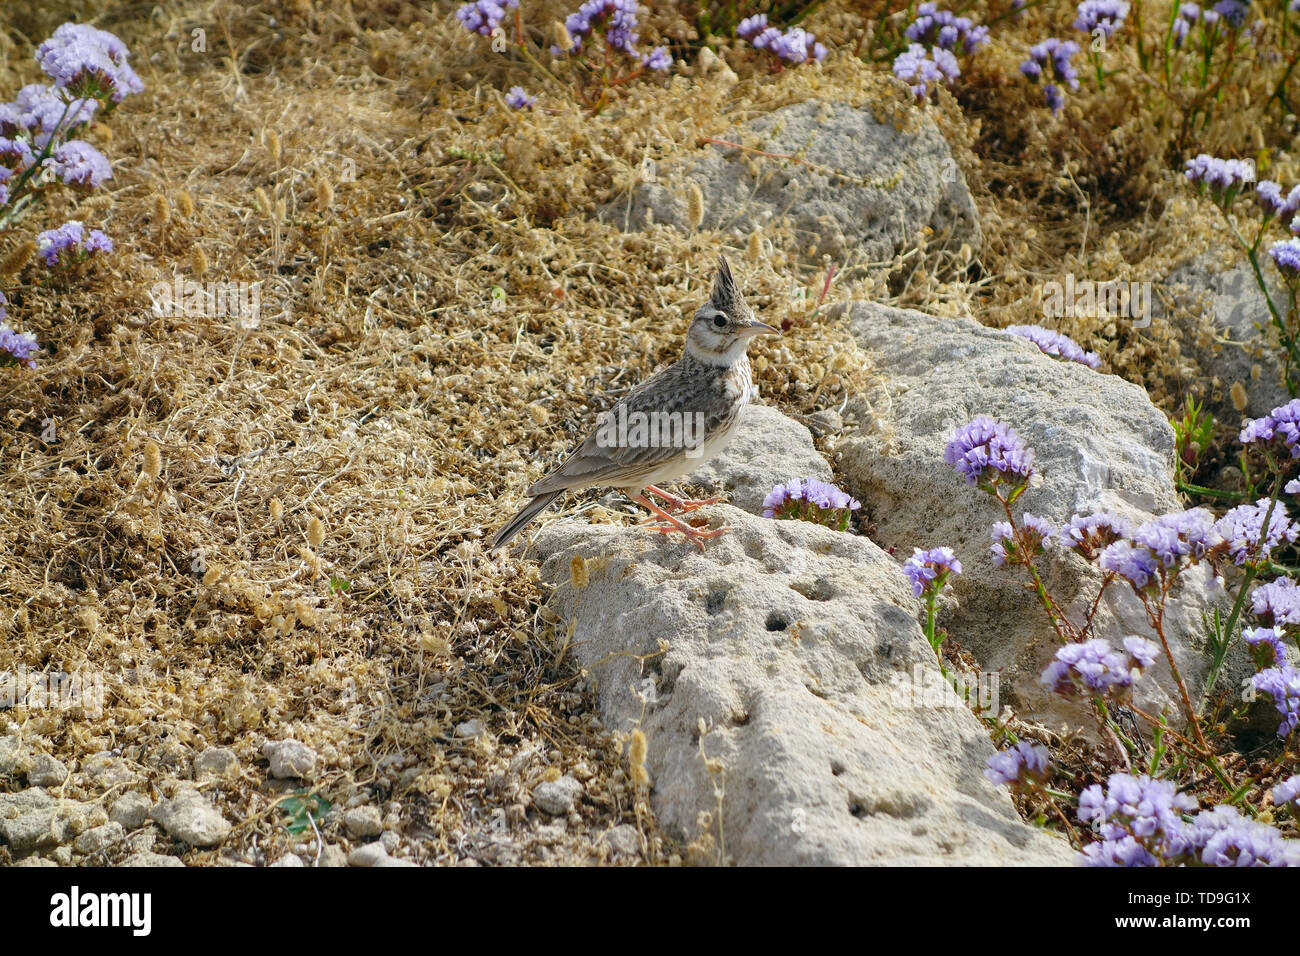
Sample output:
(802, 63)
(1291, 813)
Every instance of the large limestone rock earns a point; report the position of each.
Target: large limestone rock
(1100, 444)
(862, 187)
(768, 669)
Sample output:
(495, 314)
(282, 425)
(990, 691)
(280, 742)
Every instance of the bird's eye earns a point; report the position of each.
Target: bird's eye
(719, 321)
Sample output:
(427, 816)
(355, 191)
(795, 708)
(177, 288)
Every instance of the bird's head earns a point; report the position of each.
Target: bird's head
(723, 326)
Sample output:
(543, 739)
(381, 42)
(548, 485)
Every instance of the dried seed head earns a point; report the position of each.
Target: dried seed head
(198, 261)
(152, 461)
(755, 248)
(162, 209)
(12, 264)
(578, 571)
(211, 576)
(279, 210)
(324, 194)
(273, 147)
(276, 508)
(263, 201)
(694, 206)
(636, 754)
(1239, 398)
(539, 413)
(315, 532)
(562, 37)
(184, 203)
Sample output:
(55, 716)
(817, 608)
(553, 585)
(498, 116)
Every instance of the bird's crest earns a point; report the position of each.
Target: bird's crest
(726, 295)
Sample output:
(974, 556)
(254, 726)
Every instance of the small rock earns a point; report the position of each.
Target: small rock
(624, 840)
(62, 855)
(99, 838)
(390, 840)
(471, 728)
(46, 771)
(394, 861)
(16, 804)
(332, 855)
(131, 810)
(290, 758)
(290, 861)
(372, 854)
(35, 860)
(556, 797)
(219, 762)
(151, 859)
(190, 818)
(50, 826)
(363, 822)
(14, 757)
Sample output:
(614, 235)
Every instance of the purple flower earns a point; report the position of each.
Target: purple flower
(929, 570)
(1286, 255)
(15, 155)
(921, 69)
(1288, 792)
(936, 27)
(1090, 534)
(810, 500)
(1265, 646)
(1223, 837)
(795, 45)
(1104, 15)
(1269, 196)
(40, 111)
(751, 27)
(1282, 683)
(1243, 527)
(1024, 766)
(1095, 669)
(618, 18)
(988, 451)
(78, 163)
(1277, 603)
(1054, 55)
(658, 59)
(484, 16)
(1233, 11)
(88, 61)
(517, 99)
(17, 348)
(1223, 177)
(1281, 423)
(70, 243)
(1173, 538)
(1147, 811)
(1055, 344)
(1138, 566)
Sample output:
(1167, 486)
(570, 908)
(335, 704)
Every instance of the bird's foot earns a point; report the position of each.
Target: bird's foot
(682, 504)
(669, 524)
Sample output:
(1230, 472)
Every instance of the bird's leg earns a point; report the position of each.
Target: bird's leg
(676, 524)
(681, 504)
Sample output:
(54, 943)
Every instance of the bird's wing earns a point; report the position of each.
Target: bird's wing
(684, 387)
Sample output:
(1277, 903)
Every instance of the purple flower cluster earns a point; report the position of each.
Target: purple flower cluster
(1242, 528)
(1288, 792)
(1222, 177)
(78, 163)
(16, 348)
(1035, 535)
(1281, 424)
(920, 68)
(1269, 196)
(71, 243)
(86, 61)
(1091, 534)
(1164, 545)
(929, 570)
(1024, 767)
(1054, 55)
(1223, 837)
(1277, 603)
(987, 451)
(1095, 669)
(1265, 646)
(795, 45)
(1138, 819)
(1188, 13)
(618, 18)
(484, 16)
(1104, 15)
(517, 99)
(1055, 344)
(936, 27)
(1282, 683)
(1233, 12)
(810, 500)
(1286, 255)
(39, 111)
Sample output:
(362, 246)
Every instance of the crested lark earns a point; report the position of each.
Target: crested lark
(669, 425)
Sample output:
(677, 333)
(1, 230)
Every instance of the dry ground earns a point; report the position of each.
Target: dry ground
(309, 560)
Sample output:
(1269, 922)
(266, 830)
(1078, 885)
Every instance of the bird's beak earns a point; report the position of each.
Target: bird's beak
(758, 328)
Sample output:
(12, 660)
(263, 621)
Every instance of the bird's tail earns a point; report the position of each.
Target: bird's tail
(521, 520)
